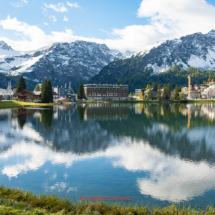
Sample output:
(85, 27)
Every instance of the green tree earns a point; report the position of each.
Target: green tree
(81, 94)
(209, 78)
(168, 91)
(49, 89)
(21, 85)
(150, 95)
(37, 88)
(154, 86)
(181, 96)
(45, 96)
(176, 91)
(159, 94)
(148, 87)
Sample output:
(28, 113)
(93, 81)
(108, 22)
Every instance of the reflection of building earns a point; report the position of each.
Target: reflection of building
(106, 112)
(106, 92)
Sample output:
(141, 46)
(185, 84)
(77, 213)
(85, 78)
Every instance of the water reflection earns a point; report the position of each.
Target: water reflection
(167, 151)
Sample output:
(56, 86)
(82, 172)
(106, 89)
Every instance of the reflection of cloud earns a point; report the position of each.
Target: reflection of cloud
(59, 187)
(72, 189)
(171, 178)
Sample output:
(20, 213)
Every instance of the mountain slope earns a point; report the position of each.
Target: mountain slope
(61, 62)
(196, 50)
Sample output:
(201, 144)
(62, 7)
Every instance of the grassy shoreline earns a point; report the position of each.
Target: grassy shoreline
(14, 201)
(10, 104)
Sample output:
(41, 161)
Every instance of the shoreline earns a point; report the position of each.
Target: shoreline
(154, 101)
(12, 103)
(14, 201)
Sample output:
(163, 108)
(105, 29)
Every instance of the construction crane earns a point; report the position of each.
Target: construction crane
(189, 86)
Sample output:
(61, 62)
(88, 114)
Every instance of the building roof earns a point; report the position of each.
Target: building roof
(149, 90)
(37, 93)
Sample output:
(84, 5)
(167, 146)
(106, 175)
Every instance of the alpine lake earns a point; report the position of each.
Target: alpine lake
(153, 154)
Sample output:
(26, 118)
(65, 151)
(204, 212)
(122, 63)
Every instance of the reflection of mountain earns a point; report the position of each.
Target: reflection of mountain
(156, 141)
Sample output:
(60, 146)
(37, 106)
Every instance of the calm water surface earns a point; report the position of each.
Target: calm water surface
(154, 154)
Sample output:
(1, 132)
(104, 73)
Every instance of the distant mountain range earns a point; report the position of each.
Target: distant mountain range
(61, 62)
(95, 63)
(196, 50)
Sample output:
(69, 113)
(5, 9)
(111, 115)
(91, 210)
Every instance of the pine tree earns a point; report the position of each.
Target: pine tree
(21, 85)
(148, 87)
(168, 91)
(176, 90)
(154, 86)
(159, 94)
(209, 78)
(81, 94)
(37, 88)
(45, 97)
(50, 93)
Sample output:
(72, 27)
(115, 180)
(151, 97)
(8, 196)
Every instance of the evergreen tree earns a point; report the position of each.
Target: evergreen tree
(45, 97)
(209, 78)
(154, 86)
(50, 93)
(181, 96)
(148, 87)
(37, 88)
(159, 94)
(150, 95)
(21, 85)
(81, 94)
(176, 90)
(168, 91)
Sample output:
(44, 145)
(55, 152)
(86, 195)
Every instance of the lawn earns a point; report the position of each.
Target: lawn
(9, 104)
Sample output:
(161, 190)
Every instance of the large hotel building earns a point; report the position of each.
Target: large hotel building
(106, 92)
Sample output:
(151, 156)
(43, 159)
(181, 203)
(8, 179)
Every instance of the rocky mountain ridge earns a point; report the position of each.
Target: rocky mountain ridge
(196, 50)
(61, 62)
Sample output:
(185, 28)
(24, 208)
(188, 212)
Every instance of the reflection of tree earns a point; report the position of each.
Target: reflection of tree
(47, 115)
(81, 110)
(21, 120)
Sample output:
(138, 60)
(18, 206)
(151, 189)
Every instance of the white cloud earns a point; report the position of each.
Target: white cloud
(73, 4)
(53, 18)
(65, 19)
(19, 3)
(45, 23)
(167, 19)
(58, 7)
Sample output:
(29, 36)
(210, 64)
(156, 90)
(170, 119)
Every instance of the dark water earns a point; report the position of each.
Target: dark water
(154, 154)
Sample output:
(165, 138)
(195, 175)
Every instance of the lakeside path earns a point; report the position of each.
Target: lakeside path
(14, 201)
(10, 104)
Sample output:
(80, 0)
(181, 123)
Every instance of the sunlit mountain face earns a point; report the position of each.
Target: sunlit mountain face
(153, 153)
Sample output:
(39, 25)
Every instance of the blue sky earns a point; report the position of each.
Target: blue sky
(133, 24)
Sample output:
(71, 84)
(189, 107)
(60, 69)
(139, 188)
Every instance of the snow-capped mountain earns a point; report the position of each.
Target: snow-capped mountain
(6, 50)
(196, 50)
(61, 62)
